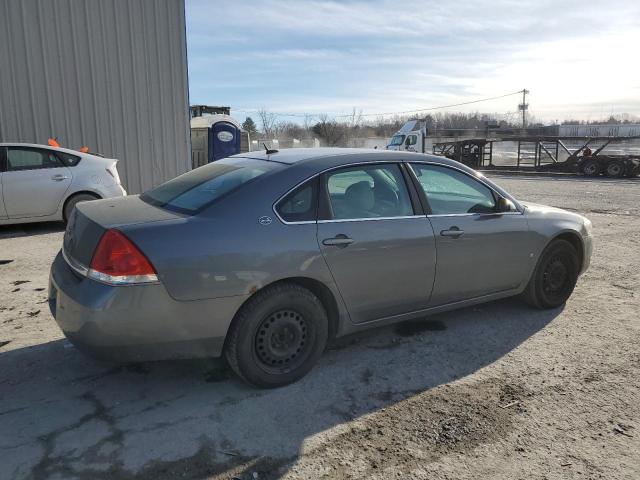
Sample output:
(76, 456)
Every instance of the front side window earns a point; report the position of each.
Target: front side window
(411, 140)
(31, 159)
(194, 190)
(368, 192)
(450, 191)
(299, 205)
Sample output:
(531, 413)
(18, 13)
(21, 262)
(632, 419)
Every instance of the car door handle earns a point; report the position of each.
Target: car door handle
(59, 178)
(338, 241)
(452, 232)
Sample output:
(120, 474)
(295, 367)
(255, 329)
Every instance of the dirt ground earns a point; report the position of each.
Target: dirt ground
(498, 391)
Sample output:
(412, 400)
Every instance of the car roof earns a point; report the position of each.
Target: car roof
(49, 147)
(295, 155)
(321, 158)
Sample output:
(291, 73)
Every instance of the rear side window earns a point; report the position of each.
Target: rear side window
(368, 192)
(67, 159)
(300, 205)
(199, 188)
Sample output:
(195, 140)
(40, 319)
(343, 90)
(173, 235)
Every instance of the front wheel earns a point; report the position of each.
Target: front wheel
(555, 276)
(277, 336)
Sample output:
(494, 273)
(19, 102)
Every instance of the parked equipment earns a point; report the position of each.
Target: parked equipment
(263, 260)
(41, 183)
(614, 166)
(410, 138)
(214, 137)
(472, 152)
(546, 153)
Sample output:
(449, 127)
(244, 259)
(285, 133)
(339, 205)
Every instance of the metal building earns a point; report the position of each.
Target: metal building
(108, 74)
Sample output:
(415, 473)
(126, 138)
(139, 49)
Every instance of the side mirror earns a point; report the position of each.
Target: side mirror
(504, 205)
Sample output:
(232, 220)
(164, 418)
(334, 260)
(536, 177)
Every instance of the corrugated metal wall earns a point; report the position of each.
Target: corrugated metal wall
(109, 74)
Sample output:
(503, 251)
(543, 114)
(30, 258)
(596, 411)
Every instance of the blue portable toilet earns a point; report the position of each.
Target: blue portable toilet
(214, 137)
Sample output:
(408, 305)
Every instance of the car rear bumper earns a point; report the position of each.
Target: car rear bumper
(136, 323)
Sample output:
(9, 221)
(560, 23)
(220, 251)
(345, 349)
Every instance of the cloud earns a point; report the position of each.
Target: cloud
(312, 56)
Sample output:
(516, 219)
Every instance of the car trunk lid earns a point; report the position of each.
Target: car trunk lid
(90, 220)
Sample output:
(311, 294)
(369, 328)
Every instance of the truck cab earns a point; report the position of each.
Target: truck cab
(410, 138)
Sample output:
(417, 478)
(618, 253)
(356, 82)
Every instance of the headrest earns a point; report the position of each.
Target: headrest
(360, 196)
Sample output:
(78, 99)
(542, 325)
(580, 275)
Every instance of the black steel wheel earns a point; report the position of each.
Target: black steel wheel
(277, 336)
(615, 169)
(554, 277)
(591, 168)
(280, 343)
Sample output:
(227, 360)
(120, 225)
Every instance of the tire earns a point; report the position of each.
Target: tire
(614, 169)
(632, 168)
(277, 336)
(73, 201)
(591, 168)
(555, 276)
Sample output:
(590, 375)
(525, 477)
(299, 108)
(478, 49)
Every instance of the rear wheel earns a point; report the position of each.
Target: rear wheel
(73, 201)
(615, 169)
(555, 276)
(591, 168)
(632, 167)
(278, 336)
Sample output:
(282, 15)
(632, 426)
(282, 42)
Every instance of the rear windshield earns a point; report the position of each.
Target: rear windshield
(197, 189)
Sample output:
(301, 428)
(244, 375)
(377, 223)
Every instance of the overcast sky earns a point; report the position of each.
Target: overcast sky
(578, 58)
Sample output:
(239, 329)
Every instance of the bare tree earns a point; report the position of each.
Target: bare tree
(354, 119)
(307, 124)
(268, 121)
(287, 129)
(332, 132)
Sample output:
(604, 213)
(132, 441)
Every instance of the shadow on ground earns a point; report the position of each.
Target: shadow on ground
(64, 415)
(30, 229)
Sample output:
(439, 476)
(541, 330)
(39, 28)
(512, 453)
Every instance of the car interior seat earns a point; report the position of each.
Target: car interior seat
(360, 200)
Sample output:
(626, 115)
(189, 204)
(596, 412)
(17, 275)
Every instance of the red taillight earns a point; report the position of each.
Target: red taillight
(117, 260)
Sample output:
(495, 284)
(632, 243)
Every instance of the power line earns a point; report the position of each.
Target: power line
(436, 108)
(278, 114)
(440, 107)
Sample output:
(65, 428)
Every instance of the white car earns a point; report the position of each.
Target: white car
(39, 183)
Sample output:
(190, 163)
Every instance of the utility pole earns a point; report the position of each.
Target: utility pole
(524, 106)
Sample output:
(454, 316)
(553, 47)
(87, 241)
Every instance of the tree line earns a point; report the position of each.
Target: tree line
(339, 131)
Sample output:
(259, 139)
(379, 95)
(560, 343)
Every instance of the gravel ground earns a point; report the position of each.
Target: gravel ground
(497, 391)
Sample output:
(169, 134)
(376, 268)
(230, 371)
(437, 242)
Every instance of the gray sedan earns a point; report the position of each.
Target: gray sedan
(264, 257)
